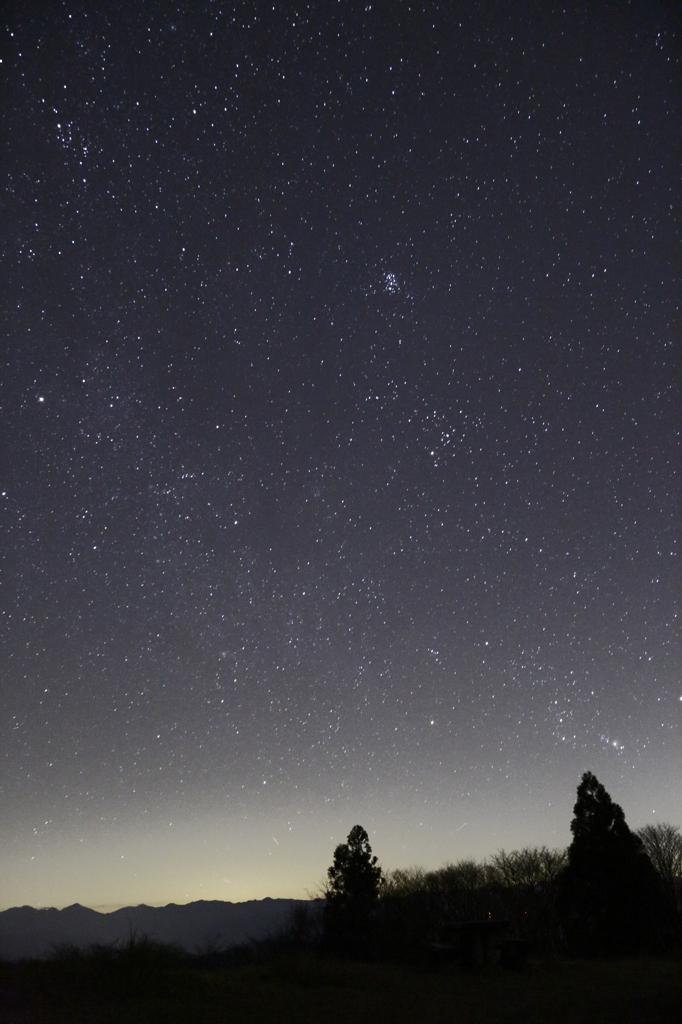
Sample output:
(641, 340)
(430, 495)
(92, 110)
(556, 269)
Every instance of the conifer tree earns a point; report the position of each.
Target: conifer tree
(354, 884)
(611, 894)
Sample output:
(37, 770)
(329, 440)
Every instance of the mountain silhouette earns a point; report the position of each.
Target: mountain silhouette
(28, 932)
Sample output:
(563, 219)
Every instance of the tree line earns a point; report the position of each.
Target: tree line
(613, 891)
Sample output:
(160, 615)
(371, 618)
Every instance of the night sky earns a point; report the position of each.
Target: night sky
(340, 424)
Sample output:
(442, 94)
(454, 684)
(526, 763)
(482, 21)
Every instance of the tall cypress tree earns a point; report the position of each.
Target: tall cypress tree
(353, 889)
(610, 893)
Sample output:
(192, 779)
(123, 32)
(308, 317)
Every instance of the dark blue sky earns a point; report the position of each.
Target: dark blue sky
(341, 417)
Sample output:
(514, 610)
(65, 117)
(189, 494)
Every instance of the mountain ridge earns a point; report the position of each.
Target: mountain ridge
(35, 932)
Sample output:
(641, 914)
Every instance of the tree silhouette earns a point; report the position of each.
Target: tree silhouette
(611, 894)
(354, 884)
(663, 844)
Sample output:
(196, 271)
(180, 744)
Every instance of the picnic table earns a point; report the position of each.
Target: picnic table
(476, 943)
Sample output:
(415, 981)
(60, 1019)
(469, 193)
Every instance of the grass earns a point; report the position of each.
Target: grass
(148, 984)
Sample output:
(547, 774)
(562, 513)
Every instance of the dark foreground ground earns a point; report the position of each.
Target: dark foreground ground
(316, 991)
